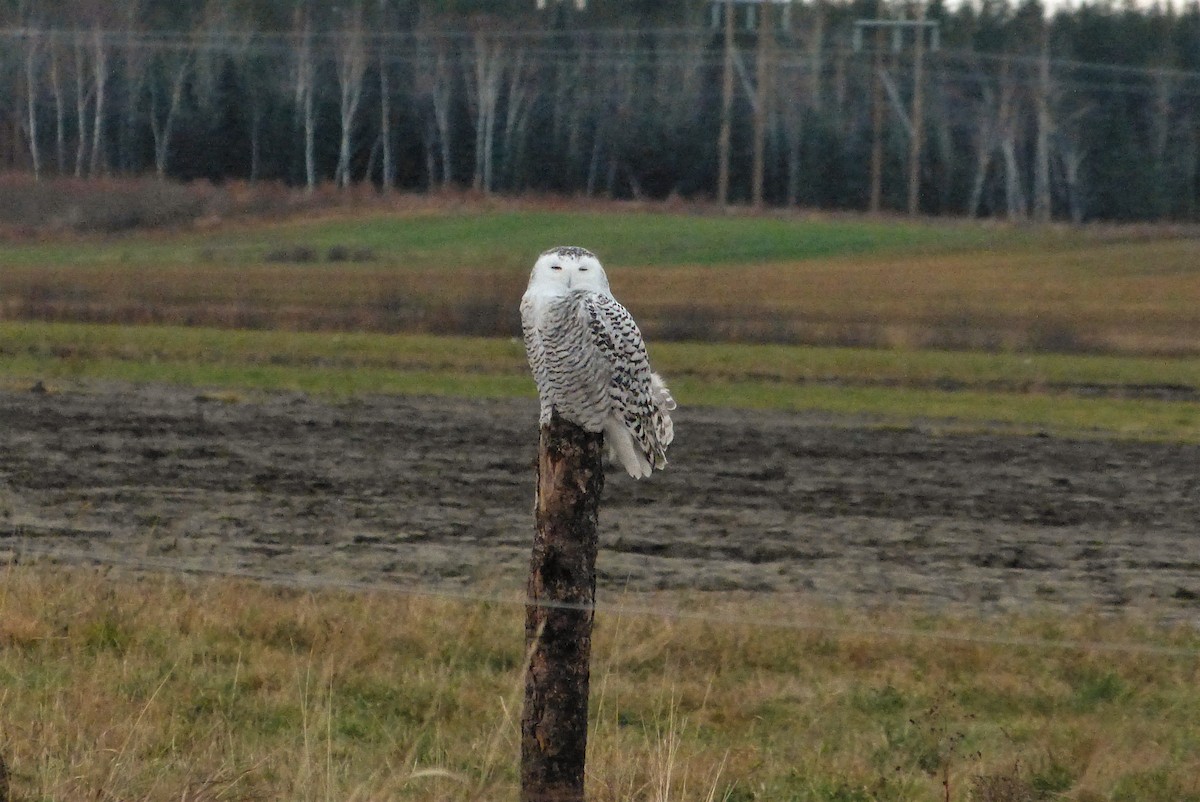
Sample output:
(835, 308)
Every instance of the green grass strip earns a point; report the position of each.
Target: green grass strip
(895, 387)
(509, 238)
(1139, 419)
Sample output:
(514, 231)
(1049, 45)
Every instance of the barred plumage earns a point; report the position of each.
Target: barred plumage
(589, 360)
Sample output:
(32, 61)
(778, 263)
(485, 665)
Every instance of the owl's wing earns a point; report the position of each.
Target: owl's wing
(638, 397)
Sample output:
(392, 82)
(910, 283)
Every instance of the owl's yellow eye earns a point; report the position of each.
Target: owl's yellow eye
(556, 267)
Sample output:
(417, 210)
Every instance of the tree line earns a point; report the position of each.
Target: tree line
(1086, 114)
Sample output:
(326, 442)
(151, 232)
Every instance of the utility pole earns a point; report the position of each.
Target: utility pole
(913, 118)
(723, 139)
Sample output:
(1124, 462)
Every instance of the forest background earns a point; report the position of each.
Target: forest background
(1079, 114)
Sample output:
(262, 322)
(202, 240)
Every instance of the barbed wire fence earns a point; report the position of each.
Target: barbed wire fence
(24, 551)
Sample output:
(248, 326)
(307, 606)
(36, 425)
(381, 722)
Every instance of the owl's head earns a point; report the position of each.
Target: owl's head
(567, 268)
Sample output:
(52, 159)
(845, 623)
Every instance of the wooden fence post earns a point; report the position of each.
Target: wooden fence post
(558, 615)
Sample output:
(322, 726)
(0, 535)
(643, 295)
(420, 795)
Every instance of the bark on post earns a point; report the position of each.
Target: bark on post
(558, 615)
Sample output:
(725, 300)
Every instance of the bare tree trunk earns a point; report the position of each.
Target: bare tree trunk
(1014, 193)
(483, 94)
(31, 96)
(305, 90)
(1072, 162)
(1041, 166)
(430, 152)
(876, 201)
(82, 95)
(726, 133)
(161, 129)
(917, 141)
(764, 74)
(489, 142)
(351, 65)
(100, 81)
(388, 176)
(442, 98)
(60, 113)
(1071, 153)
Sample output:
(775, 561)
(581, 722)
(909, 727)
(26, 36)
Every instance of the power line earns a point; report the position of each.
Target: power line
(539, 43)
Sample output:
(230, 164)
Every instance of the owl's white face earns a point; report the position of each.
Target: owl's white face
(561, 270)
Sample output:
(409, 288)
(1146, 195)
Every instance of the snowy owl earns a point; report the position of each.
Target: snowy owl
(589, 360)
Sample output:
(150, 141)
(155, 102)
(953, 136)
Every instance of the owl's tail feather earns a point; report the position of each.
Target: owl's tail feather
(623, 449)
(664, 429)
(658, 389)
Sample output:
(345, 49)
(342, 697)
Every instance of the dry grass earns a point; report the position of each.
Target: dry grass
(1128, 297)
(154, 687)
(66, 207)
(436, 267)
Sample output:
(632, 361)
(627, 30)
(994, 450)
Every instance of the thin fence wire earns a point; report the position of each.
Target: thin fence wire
(317, 582)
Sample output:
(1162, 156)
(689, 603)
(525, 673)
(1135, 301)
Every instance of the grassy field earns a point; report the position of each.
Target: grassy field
(162, 688)
(506, 238)
(971, 389)
(148, 688)
(684, 276)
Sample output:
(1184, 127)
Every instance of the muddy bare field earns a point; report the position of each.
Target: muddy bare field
(438, 492)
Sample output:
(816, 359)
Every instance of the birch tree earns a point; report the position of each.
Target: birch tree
(304, 75)
(351, 63)
(172, 72)
(483, 73)
(83, 96)
(388, 173)
(32, 62)
(100, 83)
(60, 113)
(1045, 129)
